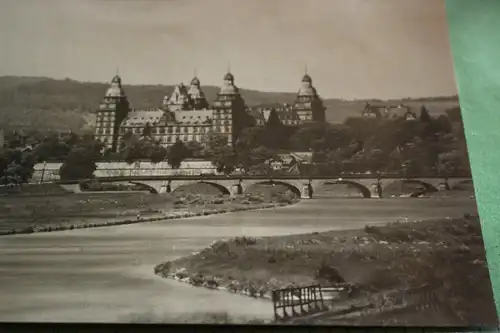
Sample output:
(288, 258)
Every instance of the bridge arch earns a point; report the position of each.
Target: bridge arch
(460, 184)
(365, 191)
(220, 187)
(428, 186)
(291, 187)
(151, 189)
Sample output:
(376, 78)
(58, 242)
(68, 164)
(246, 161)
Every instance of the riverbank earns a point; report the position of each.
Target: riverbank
(25, 214)
(414, 273)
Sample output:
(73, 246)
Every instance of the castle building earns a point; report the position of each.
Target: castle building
(186, 115)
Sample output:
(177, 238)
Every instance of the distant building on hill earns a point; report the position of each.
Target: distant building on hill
(186, 115)
(385, 111)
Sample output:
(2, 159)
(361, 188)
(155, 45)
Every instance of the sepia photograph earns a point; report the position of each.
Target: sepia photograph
(236, 162)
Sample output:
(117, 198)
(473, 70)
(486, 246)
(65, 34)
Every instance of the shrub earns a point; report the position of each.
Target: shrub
(329, 274)
(197, 280)
(252, 290)
(244, 240)
(211, 282)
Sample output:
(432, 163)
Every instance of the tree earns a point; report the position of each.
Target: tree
(320, 137)
(252, 137)
(176, 154)
(454, 114)
(146, 132)
(158, 154)
(194, 148)
(52, 148)
(275, 134)
(133, 149)
(222, 156)
(79, 164)
(16, 167)
(452, 163)
(424, 115)
(443, 124)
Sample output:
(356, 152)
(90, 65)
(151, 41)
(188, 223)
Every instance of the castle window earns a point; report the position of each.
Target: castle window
(226, 122)
(177, 130)
(186, 129)
(170, 130)
(162, 130)
(195, 129)
(217, 129)
(227, 129)
(169, 138)
(186, 138)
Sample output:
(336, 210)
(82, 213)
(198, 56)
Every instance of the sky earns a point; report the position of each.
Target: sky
(351, 48)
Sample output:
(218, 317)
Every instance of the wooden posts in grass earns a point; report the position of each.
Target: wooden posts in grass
(297, 301)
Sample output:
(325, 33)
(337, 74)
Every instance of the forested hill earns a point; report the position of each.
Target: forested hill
(43, 103)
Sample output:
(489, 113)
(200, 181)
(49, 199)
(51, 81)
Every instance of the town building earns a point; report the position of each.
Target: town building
(386, 111)
(186, 115)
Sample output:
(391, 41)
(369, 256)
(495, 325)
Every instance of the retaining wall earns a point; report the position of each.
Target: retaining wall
(50, 171)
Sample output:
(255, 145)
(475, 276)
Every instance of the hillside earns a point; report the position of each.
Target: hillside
(44, 103)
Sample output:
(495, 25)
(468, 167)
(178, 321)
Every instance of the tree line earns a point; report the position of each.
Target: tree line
(426, 146)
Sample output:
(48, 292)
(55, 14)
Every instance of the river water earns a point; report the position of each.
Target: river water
(106, 274)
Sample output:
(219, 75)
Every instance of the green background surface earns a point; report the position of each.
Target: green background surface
(474, 27)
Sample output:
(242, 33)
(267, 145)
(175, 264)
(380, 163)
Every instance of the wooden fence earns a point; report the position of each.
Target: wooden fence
(298, 301)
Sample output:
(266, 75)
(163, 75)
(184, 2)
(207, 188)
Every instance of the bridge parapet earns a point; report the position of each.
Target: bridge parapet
(369, 187)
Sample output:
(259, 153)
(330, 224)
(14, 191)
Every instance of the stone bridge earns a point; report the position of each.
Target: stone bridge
(305, 187)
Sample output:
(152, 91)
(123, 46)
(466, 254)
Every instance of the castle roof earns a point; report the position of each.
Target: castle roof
(139, 118)
(195, 92)
(228, 87)
(195, 81)
(115, 88)
(179, 97)
(306, 88)
(193, 116)
(306, 78)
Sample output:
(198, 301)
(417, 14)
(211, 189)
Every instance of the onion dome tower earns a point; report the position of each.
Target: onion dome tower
(113, 109)
(196, 95)
(229, 111)
(308, 104)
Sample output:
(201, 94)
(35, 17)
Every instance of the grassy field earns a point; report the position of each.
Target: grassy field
(41, 206)
(23, 211)
(423, 273)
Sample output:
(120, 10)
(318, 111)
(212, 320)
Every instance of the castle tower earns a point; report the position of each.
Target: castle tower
(196, 95)
(113, 109)
(179, 100)
(229, 116)
(308, 104)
